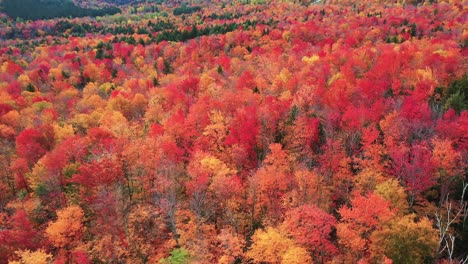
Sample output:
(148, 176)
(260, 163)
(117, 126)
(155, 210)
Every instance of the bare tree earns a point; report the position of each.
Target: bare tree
(445, 217)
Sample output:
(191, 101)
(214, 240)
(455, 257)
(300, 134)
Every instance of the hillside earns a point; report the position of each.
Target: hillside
(47, 9)
(248, 131)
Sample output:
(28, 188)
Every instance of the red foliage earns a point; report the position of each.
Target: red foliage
(19, 234)
(312, 227)
(243, 133)
(99, 172)
(33, 143)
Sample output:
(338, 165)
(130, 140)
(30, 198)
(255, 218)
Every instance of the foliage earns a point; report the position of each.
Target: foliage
(407, 240)
(178, 256)
(233, 132)
(34, 10)
(270, 246)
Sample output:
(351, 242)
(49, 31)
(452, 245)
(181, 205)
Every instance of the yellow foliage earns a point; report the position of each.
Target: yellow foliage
(285, 75)
(92, 102)
(81, 121)
(217, 123)
(106, 88)
(296, 255)
(63, 131)
(442, 53)
(311, 59)
(11, 118)
(425, 74)
(114, 121)
(273, 247)
(139, 62)
(68, 228)
(35, 257)
(24, 80)
(69, 94)
(4, 67)
(367, 180)
(405, 240)
(118, 61)
(55, 73)
(90, 89)
(334, 78)
(92, 71)
(394, 193)
(120, 103)
(36, 176)
(215, 166)
(286, 35)
(217, 130)
(284, 96)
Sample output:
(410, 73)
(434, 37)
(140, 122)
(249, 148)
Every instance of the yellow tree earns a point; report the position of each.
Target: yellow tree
(394, 193)
(270, 246)
(405, 240)
(66, 232)
(34, 257)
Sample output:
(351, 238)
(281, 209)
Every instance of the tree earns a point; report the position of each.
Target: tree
(448, 215)
(413, 165)
(33, 143)
(147, 233)
(366, 215)
(17, 233)
(231, 246)
(448, 165)
(406, 240)
(178, 256)
(311, 227)
(302, 136)
(211, 183)
(35, 257)
(273, 181)
(271, 246)
(67, 231)
(394, 193)
(242, 137)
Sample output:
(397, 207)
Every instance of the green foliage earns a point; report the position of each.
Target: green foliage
(455, 96)
(30, 88)
(99, 54)
(219, 69)
(185, 10)
(183, 35)
(178, 256)
(293, 114)
(155, 81)
(66, 74)
(408, 241)
(47, 9)
(167, 67)
(41, 190)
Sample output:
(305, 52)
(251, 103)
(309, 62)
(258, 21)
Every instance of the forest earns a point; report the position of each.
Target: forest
(231, 132)
(48, 9)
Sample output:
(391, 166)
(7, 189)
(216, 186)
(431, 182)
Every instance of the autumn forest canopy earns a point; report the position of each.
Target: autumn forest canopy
(247, 131)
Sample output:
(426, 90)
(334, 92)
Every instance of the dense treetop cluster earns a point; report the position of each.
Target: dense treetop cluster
(236, 132)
